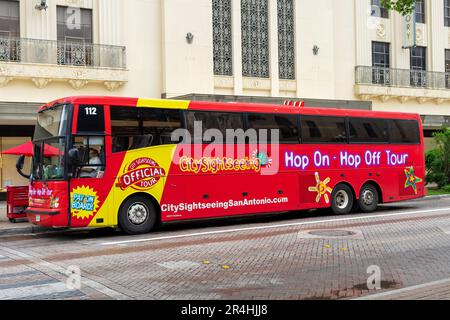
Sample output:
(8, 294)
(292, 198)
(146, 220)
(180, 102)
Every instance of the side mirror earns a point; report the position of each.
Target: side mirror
(20, 162)
(19, 167)
(74, 157)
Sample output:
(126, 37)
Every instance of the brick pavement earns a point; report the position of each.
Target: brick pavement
(274, 263)
(436, 290)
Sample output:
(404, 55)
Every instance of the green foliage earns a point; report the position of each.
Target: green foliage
(402, 6)
(438, 160)
(446, 188)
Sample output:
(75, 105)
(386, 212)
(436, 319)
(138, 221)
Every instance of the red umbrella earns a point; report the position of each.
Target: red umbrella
(27, 149)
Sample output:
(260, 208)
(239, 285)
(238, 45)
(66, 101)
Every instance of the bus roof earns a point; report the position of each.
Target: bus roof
(224, 106)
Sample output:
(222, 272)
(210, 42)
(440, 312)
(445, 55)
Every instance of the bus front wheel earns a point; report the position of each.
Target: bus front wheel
(368, 198)
(342, 199)
(137, 215)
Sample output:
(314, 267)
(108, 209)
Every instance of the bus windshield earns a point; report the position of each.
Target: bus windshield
(49, 144)
(52, 123)
(48, 159)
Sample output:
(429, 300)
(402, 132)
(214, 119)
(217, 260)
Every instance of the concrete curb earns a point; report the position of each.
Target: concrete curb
(29, 229)
(438, 197)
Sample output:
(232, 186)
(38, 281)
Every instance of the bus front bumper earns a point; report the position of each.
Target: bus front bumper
(47, 217)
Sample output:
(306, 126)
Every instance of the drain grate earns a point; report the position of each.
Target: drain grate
(332, 233)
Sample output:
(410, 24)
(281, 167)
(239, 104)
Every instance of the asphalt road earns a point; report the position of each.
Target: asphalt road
(298, 255)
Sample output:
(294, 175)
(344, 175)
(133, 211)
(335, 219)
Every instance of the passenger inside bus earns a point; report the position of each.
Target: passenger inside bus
(92, 156)
(94, 160)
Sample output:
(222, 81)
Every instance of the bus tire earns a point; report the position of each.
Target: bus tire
(137, 215)
(368, 198)
(342, 199)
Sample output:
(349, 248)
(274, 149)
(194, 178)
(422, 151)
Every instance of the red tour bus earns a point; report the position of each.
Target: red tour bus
(118, 166)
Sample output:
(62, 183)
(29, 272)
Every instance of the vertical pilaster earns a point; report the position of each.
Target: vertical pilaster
(363, 42)
(237, 46)
(273, 36)
(436, 35)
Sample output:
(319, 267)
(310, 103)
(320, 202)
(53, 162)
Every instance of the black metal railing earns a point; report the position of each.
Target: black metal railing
(402, 77)
(62, 53)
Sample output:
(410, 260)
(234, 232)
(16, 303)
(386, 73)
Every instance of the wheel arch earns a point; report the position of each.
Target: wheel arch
(348, 184)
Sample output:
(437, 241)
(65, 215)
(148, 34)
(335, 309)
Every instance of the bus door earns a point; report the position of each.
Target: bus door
(89, 184)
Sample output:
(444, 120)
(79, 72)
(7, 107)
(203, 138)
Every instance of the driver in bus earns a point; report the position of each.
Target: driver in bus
(94, 159)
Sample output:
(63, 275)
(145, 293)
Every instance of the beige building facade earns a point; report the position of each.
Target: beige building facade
(345, 50)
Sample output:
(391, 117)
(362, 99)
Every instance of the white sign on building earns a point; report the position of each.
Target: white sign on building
(409, 30)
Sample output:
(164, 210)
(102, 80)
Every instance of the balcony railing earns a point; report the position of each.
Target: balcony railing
(402, 78)
(62, 53)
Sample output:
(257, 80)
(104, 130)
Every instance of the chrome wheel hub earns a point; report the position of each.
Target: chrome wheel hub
(138, 213)
(368, 197)
(342, 199)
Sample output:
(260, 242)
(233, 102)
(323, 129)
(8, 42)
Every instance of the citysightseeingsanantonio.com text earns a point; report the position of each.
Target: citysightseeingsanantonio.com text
(189, 207)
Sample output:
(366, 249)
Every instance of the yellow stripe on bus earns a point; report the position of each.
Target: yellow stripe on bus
(163, 104)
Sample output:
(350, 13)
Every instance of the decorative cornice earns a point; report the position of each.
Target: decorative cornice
(4, 81)
(41, 83)
(113, 85)
(78, 84)
(421, 95)
(78, 77)
(404, 99)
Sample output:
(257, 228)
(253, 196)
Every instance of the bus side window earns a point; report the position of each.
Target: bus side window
(124, 126)
(217, 120)
(404, 131)
(285, 123)
(137, 128)
(368, 130)
(322, 129)
(158, 126)
(92, 155)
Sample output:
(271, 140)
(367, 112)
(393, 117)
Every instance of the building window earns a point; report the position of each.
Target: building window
(74, 31)
(381, 63)
(286, 39)
(222, 40)
(447, 13)
(447, 68)
(418, 67)
(378, 10)
(420, 11)
(255, 38)
(9, 31)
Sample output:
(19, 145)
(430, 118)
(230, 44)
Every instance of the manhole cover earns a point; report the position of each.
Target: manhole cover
(332, 233)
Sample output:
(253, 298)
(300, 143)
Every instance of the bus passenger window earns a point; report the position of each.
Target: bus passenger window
(134, 128)
(319, 129)
(404, 131)
(158, 126)
(220, 121)
(286, 124)
(367, 130)
(92, 155)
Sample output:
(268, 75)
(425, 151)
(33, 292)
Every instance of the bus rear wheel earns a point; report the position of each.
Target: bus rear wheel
(342, 199)
(137, 215)
(368, 198)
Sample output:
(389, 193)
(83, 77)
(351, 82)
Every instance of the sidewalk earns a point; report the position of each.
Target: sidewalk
(8, 228)
(437, 290)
